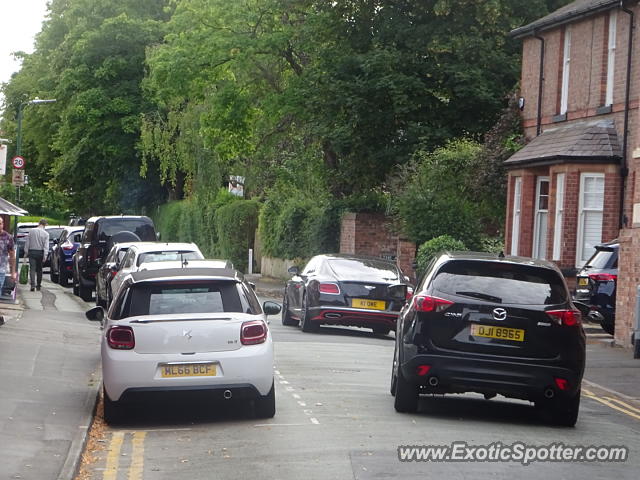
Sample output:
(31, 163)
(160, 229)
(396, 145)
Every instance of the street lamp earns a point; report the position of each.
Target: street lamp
(35, 101)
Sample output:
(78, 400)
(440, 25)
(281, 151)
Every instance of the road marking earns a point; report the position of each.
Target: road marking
(617, 394)
(302, 404)
(612, 405)
(137, 456)
(625, 405)
(280, 425)
(296, 396)
(284, 382)
(113, 457)
(314, 421)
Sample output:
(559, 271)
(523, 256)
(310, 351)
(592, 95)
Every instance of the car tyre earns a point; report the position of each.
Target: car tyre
(608, 325)
(76, 289)
(265, 407)
(565, 412)
(407, 395)
(305, 319)
(394, 378)
(53, 275)
(63, 278)
(85, 292)
(286, 314)
(113, 411)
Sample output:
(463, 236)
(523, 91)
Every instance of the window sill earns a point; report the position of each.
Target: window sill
(559, 118)
(603, 109)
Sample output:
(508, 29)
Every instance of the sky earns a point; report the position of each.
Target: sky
(20, 20)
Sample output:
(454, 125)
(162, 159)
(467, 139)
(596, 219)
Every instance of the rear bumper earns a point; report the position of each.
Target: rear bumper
(353, 317)
(527, 381)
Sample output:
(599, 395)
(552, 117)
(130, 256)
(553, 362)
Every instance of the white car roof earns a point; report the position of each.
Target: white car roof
(209, 263)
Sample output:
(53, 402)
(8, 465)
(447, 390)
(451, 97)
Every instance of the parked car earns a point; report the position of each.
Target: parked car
(213, 314)
(21, 235)
(345, 290)
(492, 325)
(596, 285)
(100, 233)
(151, 252)
(107, 271)
(77, 221)
(54, 232)
(61, 267)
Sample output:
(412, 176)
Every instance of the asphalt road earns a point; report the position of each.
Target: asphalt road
(335, 420)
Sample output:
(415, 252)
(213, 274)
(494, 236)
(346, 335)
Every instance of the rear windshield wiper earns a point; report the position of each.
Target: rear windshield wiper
(483, 296)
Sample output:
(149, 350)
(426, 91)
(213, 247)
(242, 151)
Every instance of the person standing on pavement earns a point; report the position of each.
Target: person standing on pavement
(7, 258)
(36, 248)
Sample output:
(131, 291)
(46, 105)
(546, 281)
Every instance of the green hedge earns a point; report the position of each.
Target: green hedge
(431, 248)
(235, 224)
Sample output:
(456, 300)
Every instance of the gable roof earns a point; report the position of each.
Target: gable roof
(587, 141)
(566, 14)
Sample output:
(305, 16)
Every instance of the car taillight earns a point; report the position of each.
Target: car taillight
(67, 245)
(568, 318)
(331, 288)
(93, 253)
(602, 277)
(427, 303)
(121, 338)
(409, 295)
(253, 333)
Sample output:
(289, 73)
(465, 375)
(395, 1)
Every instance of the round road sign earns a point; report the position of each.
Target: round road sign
(18, 162)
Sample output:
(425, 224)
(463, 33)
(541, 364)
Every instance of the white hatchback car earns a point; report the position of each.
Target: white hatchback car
(175, 330)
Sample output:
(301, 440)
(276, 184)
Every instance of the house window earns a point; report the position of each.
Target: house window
(590, 211)
(611, 58)
(541, 218)
(515, 227)
(557, 229)
(566, 60)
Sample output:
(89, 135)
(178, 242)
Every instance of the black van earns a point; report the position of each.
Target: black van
(100, 233)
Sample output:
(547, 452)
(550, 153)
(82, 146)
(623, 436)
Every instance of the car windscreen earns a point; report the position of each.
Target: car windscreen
(501, 282)
(168, 256)
(602, 259)
(143, 229)
(370, 270)
(185, 297)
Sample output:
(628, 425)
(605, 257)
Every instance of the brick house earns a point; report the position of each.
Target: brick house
(574, 184)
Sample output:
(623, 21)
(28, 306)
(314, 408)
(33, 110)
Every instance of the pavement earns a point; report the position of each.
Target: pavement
(50, 378)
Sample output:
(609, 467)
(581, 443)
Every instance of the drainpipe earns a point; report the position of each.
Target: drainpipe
(624, 169)
(540, 79)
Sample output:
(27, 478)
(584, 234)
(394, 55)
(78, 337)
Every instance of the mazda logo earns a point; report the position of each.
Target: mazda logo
(499, 314)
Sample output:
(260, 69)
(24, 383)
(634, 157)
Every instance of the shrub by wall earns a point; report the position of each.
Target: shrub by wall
(431, 248)
(235, 225)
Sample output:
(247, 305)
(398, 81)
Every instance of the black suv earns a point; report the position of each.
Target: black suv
(492, 325)
(100, 233)
(596, 285)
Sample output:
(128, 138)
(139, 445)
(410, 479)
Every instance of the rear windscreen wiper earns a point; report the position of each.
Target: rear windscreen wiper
(483, 296)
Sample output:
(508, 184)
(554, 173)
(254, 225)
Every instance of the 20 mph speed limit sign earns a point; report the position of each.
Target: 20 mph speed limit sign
(18, 162)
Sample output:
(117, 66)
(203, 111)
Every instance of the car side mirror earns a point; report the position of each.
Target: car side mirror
(398, 290)
(271, 308)
(96, 314)
(252, 285)
(293, 270)
(158, 236)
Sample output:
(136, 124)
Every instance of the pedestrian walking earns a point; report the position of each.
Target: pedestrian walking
(36, 248)
(7, 258)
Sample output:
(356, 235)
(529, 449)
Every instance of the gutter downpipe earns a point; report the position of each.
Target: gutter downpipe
(540, 80)
(624, 169)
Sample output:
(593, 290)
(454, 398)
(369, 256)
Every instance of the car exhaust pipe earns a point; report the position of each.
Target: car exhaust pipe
(549, 393)
(332, 315)
(433, 381)
(227, 394)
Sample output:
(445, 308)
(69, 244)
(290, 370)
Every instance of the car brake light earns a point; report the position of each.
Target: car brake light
(603, 277)
(253, 333)
(422, 370)
(561, 383)
(331, 288)
(568, 318)
(427, 303)
(121, 338)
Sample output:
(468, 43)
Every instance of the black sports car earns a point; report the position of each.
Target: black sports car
(345, 290)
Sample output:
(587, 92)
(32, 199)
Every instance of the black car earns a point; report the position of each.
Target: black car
(54, 232)
(99, 235)
(492, 325)
(107, 271)
(596, 285)
(62, 252)
(345, 290)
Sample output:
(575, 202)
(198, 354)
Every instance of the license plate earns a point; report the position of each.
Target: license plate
(502, 333)
(369, 304)
(583, 282)
(188, 370)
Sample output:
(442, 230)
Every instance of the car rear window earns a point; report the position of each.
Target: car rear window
(369, 270)
(54, 233)
(603, 258)
(501, 282)
(168, 256)
(189, 297)
(143, 229)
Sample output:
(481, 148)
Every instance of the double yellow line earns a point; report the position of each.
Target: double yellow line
(136, 466)
(613, 402)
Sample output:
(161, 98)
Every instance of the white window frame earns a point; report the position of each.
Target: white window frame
(581, 211)
(559, 217)
(566, 67)
(611, 57)
(515, 223)
(536, 224)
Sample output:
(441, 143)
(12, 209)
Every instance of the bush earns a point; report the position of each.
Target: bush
(235, 225)
(429, 249)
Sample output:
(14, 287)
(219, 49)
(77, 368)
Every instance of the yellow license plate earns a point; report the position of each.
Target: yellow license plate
(583, 282)
(370, 304)
(501, 333)
(188, 370)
